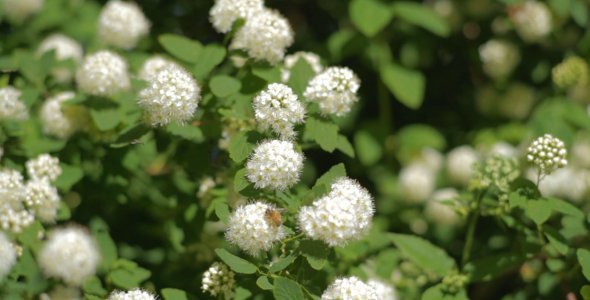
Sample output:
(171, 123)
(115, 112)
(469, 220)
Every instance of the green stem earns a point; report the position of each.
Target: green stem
(471, 233)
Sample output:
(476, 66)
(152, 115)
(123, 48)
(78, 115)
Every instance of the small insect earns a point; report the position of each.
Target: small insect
(274, 216)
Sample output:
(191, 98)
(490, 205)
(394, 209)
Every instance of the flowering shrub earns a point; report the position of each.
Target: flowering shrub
(250, 149)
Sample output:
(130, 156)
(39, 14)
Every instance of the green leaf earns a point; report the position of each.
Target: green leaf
(369, 16)
(131, 135)
(423, 253)
(368, 148)
(579, 12)
(240, 181)
(282, 263)
(565, 207)
(538, 210)
(70, 175)
(344, 146)
(239, 147)
(173, 294)
(222, 211)
(556, 240)
(286, 289)
(180, 47)
(406, 85)
(491, 267)
(585, 292)
(269, 74)
(422, 16)
(30, 235)
(127, 274)
(93, 286)
(223, 86)
(412, 140)
(186, 131)
(211, 56)
(584, 259)
(321, 185)
(263, 283)
(237, 264)
(323, 133)
(315, 252)
(300, 75)
(438, 292)
(106, 245)
(106, 118)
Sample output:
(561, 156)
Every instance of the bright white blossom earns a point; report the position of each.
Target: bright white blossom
(103, 73)
(252, 230)
(499, 58)
(70, 254)
(334, 90)
(460, 164)
(343, 215)
(275, 165)
(383, 290)
(225, 12)
(416, 182)
(172, 95)
(56, 122)
(122, 24)
(61, 292)
(153, 65)
(532, 20)
(42, 198)
(312, 59)
(278, 109)
(11, 106)
(19, 10)
(44, 166)
(265, 36)
(7, 255)
(568, 182)
(13, 215)
(439, 210)
(136, 294)
(350, 288)
(218, 280)
(548, 154)
(65, 48)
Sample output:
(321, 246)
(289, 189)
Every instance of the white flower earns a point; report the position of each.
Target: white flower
(122, 24)
(225, 12)
(460, 164)
(265, 36)
(44, 166)
(438, 211)
(42, 198)
(153, 65)
(19, 10)
(7, 255)
(569, 183)
(171, 96)
(581, 152)
(334, 90)
(65, 48)
(13, 215)
(61, 292)
(252, 230)
(277, 108)
(430, 158)
(548, 154)
(342, 216)
(205, 186)
(274, 164)
(15, 219)
(136, 294)
(312, 59)
(383, 290)
(11, 107)
(103, 73)
(218, 280)
(416, 182)
(349, 288)
(532, 20)
(503, 149)
(55, 121)
(70, 254)
(499, 58)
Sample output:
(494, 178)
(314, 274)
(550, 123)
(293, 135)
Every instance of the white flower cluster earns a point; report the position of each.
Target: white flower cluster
(569, 183)
(350, 288)
(416, 182)
(439, 211)
(7, 255)
(61, 292)
(342, 216)
(383, 290)
(274, 164)
(103, 73)
(11, 107)
(13, 215)
(44, 166)
(532, 20)
(171, 96)
(251, 229)
(334, 90)
(499, 58)
(65, 48)
(548, 154)
(136, 294)
(122, 24)
(460, 162)
(225, 12)
(277, 108)
(312, 59)
(218, 280)
(18, 11)
(152, 66)
(56, 122)
(265, 36)
(42, 198)
(69, 254)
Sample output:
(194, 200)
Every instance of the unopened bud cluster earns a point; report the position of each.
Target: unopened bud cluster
(573, 71)
(548, 154)
(496, 171)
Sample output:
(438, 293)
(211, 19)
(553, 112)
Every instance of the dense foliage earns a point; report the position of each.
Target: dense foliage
(250, 149)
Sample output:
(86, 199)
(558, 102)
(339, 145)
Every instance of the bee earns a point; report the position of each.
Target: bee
(274, 216)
